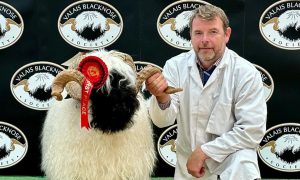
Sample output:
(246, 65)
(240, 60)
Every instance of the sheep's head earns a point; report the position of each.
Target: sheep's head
(116, 97)
(7, 145)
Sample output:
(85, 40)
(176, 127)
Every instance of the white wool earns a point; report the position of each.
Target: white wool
(289, 18)
(70, 152)
(5, 141)
(40, 80)
(90, 18)
(182, 20)
(287, 141)
(2, 24)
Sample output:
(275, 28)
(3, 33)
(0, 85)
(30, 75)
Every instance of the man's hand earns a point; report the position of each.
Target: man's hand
(156, 85)
(195, 163)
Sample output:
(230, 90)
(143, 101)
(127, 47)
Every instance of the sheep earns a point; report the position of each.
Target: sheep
(89, 25)
(7, 24)
(9, 145)
(119, 144)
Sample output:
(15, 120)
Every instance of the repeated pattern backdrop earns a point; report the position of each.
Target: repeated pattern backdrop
(37, 37)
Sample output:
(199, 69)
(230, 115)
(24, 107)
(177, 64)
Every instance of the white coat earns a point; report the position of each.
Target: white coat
(226, 117)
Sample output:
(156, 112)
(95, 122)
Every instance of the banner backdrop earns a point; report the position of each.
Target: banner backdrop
(38, 36)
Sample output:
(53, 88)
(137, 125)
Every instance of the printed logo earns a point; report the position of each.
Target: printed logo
(13, 145)
(280, 147)
(31, 84)
(267, 82)
(280, 24)
(139, 65)
(166, 145)
(90, 24)
(173, 23)
(11, 25)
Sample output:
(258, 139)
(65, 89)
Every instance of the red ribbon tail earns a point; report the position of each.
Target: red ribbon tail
(85, 124)
(86, 91)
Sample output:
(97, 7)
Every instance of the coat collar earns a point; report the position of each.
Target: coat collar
(195, 72)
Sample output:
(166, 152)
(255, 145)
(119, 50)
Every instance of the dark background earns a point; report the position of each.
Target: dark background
(41, 41)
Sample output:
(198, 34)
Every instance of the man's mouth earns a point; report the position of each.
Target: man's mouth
(205, 49)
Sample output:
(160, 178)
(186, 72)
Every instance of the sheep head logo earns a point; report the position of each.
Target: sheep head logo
(173, 23)
(280, 24)
(90, 24)
(13, 145)
(280, 147)
(31, 84)
(118, 86)
(7, 145)
(11, 25)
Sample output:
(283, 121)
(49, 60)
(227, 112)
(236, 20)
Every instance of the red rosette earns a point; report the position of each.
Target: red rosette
(94, 69)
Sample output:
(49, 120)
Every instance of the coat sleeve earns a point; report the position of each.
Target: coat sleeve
(249, 112)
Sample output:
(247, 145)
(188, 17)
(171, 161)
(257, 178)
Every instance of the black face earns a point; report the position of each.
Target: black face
(2, 33)
(113, 112)
(288, 155)
(3, 152)
(90, 34)
(184, 33)
(41, 94)
(291, 33)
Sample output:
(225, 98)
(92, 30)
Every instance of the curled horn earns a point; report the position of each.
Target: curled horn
(108, 22)
(9, 22)
(270, 143)
(23, 82)
(149, 71)
(274, 20)
(14, 141)
(62, 79)
(170, 21)
(72, 22)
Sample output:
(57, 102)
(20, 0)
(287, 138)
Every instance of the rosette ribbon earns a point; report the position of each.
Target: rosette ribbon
(95, 72)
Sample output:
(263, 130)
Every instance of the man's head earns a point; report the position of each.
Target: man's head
(210, 32)
(209, 12)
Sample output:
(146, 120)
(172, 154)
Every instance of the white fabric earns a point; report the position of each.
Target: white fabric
(226, 115)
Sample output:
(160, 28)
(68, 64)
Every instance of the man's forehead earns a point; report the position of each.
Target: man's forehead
(208, 19)
(216, 22)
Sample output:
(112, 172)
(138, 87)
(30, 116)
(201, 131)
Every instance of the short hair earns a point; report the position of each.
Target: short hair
(209, 12)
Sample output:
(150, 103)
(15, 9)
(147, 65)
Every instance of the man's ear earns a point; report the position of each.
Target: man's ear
(227, 34)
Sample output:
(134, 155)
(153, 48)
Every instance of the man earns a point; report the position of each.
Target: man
(221, 113)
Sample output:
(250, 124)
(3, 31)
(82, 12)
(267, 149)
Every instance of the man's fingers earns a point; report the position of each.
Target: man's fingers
(202, 172)
(151, 79)
(196, 174)
(156, 84)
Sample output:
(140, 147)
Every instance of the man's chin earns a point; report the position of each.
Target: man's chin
(206, 58)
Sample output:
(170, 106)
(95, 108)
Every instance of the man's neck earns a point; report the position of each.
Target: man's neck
(206, 65)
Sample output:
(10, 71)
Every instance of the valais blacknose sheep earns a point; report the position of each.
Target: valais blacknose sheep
(119, 144)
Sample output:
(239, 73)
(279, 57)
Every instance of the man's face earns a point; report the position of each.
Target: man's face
(209, 39)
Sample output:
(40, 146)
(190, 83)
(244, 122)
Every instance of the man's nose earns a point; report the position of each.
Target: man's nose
(205, 38)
